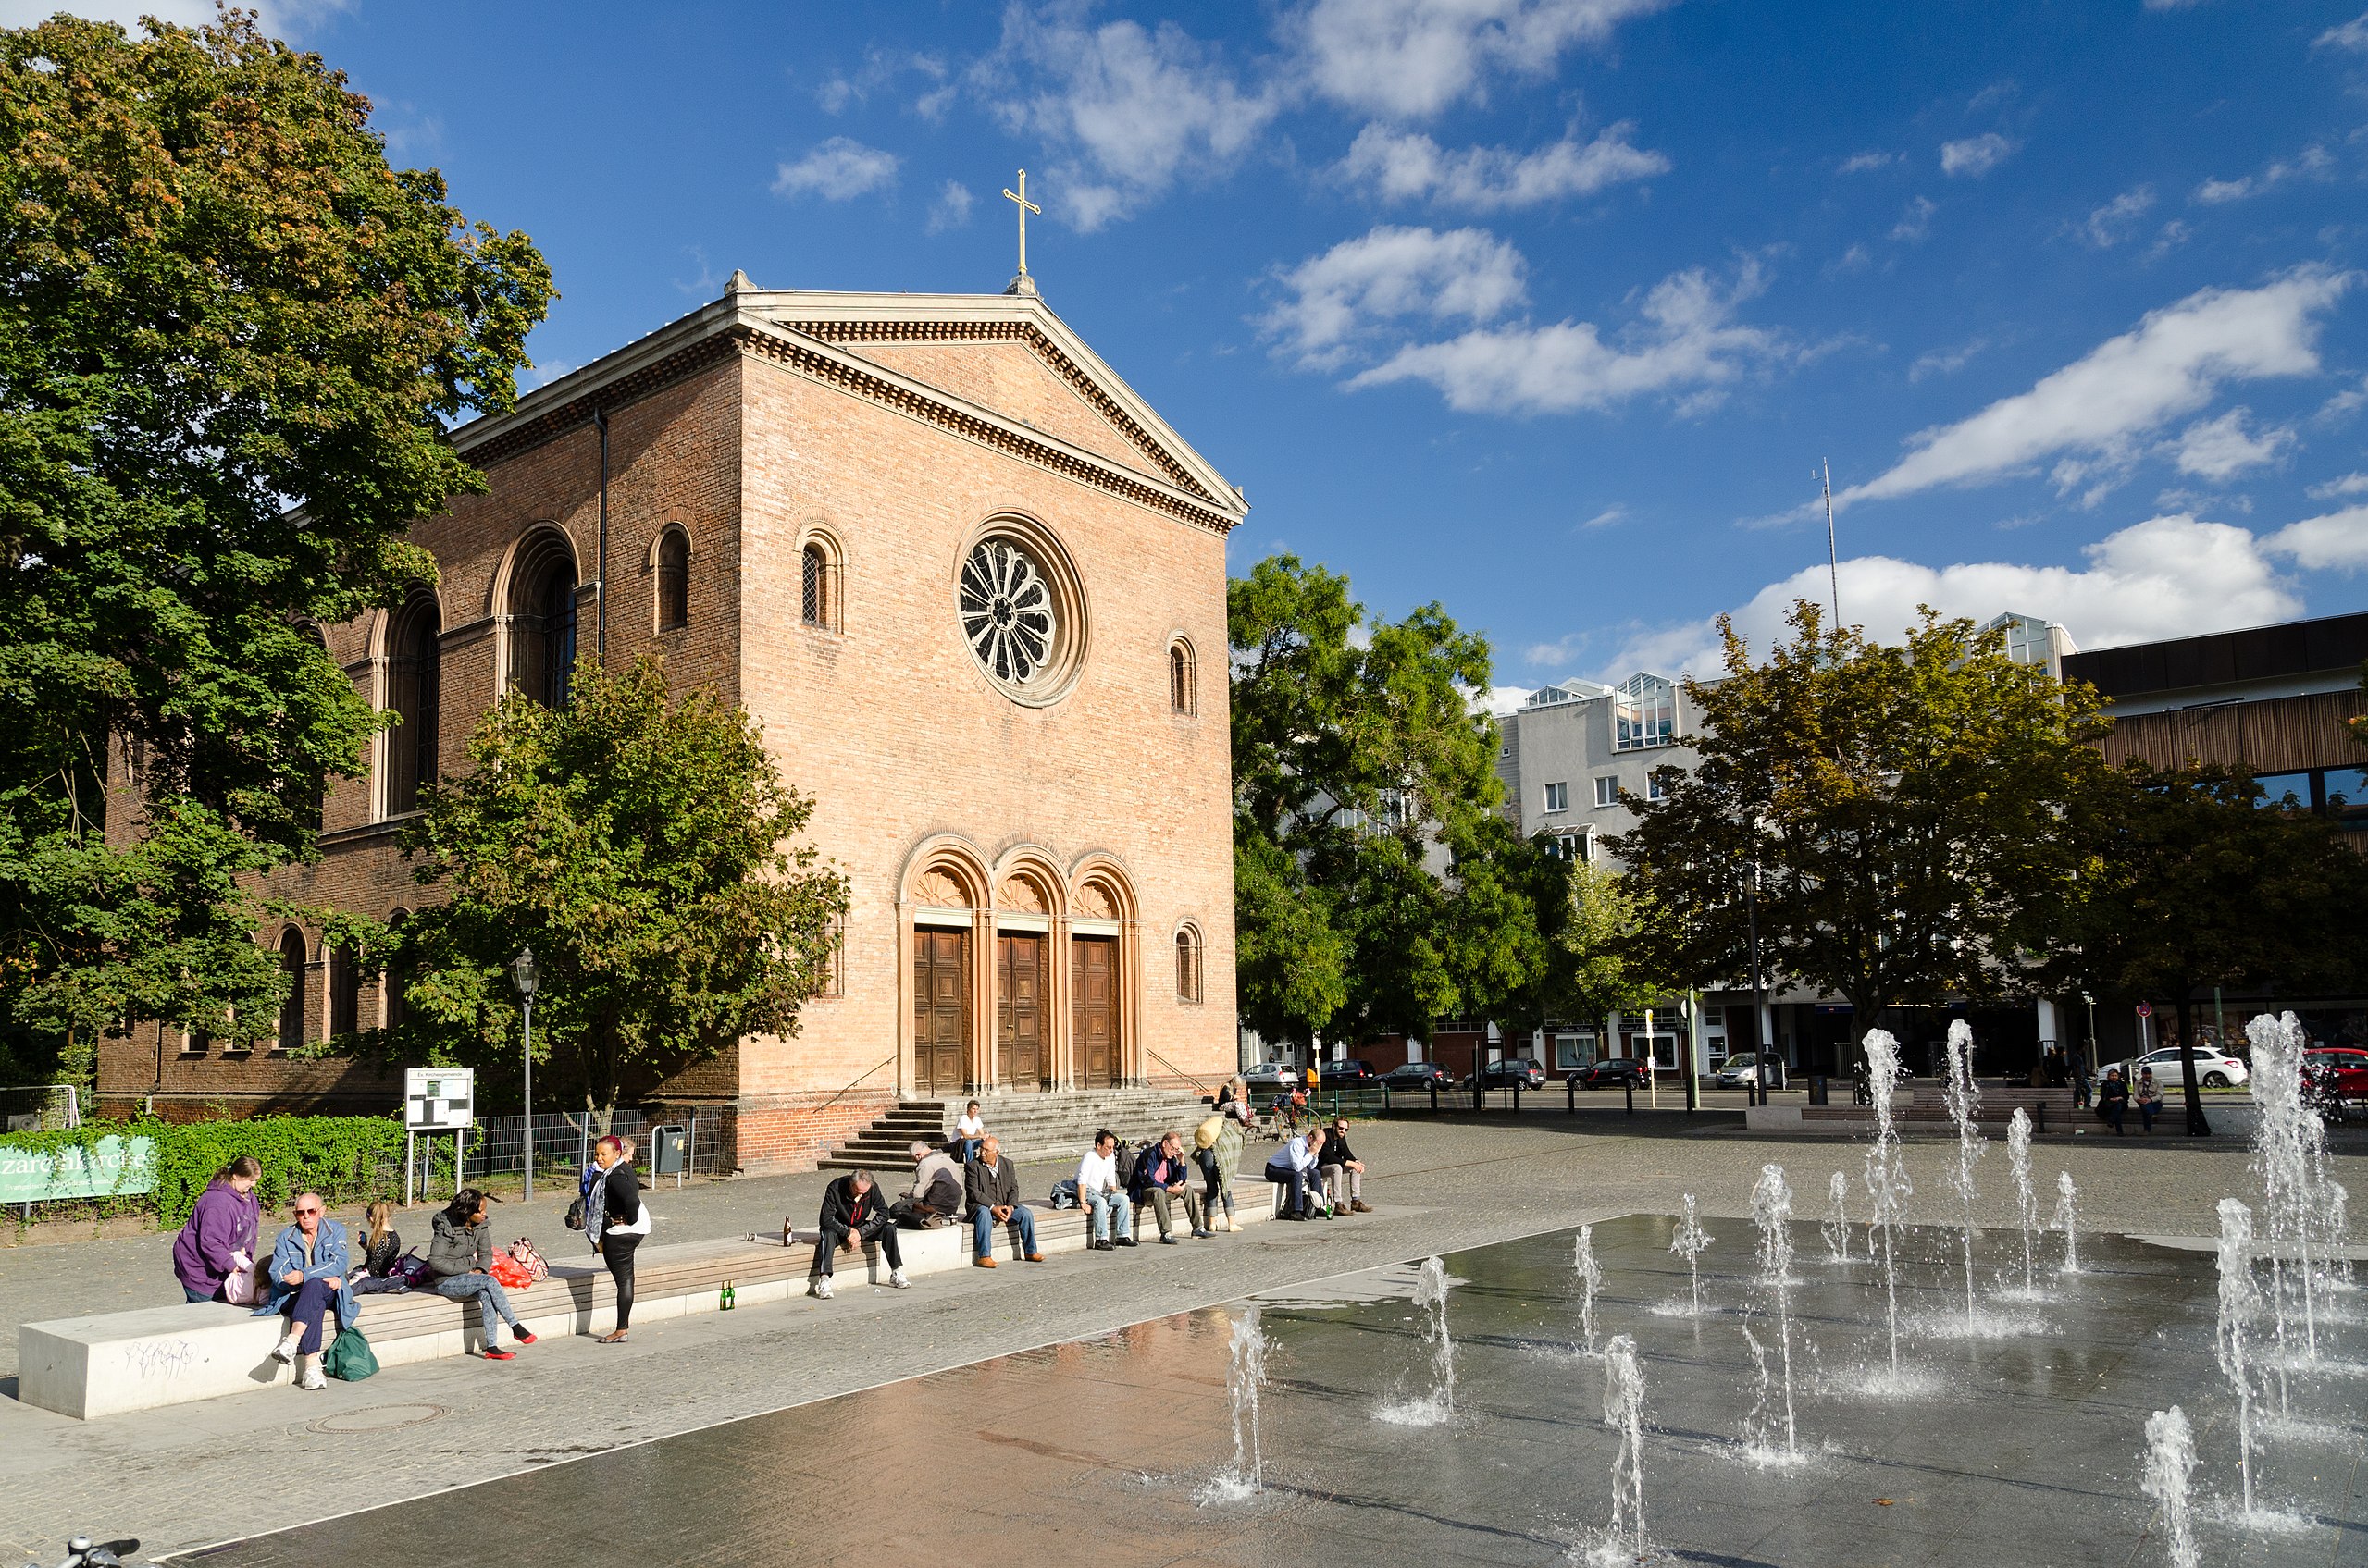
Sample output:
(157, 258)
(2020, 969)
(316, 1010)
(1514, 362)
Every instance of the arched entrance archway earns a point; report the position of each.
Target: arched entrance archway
(1105, 1000)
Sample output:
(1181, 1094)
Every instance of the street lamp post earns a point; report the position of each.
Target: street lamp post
(522, 975)
(1759, 1021)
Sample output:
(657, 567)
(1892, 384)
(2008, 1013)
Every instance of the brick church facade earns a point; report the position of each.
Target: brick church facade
(973, 590)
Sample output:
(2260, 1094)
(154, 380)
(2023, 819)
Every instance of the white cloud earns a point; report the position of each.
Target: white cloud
(2219, 450)
(2118, 219)
(1342, 297)
(1915, 222)
(951, 209)
(837, 171)
(2348, 485)
(2314, 162)
(2167, 576)
(881, 69)
(2338, 540)
(281, 18)
(1127, 109)
(2091, 415)
(1500, 701)
(1605, 518)
(1410, 166)
(1946, 362)
(1974, 155)
(1555, 655)
(1686, 346)
(2352, 35)
(1412, 58)
(2343, 405)
(2171, 4)
(1862, 163)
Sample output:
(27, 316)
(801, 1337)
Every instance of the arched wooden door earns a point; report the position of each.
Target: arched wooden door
(1020, 975)
(940, 1010)
(1093, 969)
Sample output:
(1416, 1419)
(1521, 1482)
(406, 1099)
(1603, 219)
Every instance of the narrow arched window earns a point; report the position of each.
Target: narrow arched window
(292, 1011)
(1187, 965)
(1183, 694)
(674, 581)
(542, 622)
(392, 1005)
(814, 605)
(413, 674)
(344, 990)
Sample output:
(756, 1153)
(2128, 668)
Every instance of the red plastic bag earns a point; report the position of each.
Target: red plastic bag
(510, 1274)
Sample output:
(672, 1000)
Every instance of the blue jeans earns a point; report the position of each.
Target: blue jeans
(981, 1225)
(201, 1296)
(492, 1302)
(1109, 1211)
(307, 1312)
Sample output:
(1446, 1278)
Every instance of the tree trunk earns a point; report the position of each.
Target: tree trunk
(2197, 1125)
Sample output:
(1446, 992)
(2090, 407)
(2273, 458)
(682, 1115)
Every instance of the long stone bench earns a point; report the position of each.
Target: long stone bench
(88, 1367)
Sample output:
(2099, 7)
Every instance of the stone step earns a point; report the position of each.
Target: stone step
(1031, 1127)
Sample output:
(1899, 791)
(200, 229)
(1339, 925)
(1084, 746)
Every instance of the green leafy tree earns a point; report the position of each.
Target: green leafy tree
(220, 299)
(1376, 887)
(1603, 955)
(643, 848)
(1904, 807)
(2192, 884)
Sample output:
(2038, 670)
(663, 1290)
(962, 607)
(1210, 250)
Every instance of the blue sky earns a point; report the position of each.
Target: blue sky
(1546, 309)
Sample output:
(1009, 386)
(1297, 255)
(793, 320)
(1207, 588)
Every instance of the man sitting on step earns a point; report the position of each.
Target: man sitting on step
(1295, 1165)
(936, 1196)
(1103, 1194)
(993, 1188)
(854, 1211)
(1344, 1172)
(1161, 1177)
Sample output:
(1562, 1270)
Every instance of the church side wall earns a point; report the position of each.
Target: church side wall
(889, 725)
(673, 459)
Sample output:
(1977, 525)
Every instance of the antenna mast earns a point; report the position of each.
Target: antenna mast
(1833, 559)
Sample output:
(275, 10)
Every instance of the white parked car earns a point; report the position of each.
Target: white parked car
(2214, 1068)
(1273, 1075)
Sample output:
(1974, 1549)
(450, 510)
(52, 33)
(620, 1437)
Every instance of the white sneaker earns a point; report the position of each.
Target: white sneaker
(897, 1281)
(313, 1378)
(285, 1351)
(822, 1289)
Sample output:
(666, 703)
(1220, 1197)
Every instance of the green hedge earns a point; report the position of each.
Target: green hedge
(343, 1158)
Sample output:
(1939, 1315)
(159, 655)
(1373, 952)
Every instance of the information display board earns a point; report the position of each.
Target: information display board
(439, 1099)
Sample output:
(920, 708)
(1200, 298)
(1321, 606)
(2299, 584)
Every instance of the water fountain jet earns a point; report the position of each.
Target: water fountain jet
(2027, 1202)
(1590, 1276)
(1686, 1241)
(1836, 1224)
(2239, 1300)
(1244, 1381)
(2170, 1459)
(1772, 1212)
(1431, 1294)
(1887, 1184)
(1624, 1414)
(2067, 1220)
(1963, 1096)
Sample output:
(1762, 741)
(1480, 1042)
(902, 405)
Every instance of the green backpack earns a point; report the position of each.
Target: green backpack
(349, 1358)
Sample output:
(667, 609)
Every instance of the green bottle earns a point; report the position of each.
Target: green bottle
(727, 1301)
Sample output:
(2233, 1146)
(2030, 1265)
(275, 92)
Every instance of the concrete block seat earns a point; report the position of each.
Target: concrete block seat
(932, 1252)
(87, 1368)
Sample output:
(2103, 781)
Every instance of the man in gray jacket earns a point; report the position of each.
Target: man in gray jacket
(936, 1191)
(460, 1263)
(994, 1192)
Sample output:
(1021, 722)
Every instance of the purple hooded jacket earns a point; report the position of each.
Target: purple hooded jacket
(223, 1221)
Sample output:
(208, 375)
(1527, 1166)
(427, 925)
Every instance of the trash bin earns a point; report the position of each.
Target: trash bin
(1817, 1091)
(669, 1150)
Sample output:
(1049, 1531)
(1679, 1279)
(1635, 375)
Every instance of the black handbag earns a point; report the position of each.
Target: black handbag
(575, 1215)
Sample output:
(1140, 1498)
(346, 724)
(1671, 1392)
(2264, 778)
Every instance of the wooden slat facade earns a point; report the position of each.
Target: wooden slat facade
(2281, 735)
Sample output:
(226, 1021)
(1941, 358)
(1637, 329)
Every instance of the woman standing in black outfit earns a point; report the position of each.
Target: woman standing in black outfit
(622, 1224)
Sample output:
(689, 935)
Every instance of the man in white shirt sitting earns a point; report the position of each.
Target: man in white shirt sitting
(1104, 1196)
(1294, 1166)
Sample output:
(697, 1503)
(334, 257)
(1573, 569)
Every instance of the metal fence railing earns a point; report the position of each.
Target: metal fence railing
(496, 1146)
(39, 1108)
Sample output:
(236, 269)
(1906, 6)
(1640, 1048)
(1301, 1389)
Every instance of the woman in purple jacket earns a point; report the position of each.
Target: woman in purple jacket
(219, 1241)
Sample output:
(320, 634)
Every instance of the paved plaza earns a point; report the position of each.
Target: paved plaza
(196, 1476)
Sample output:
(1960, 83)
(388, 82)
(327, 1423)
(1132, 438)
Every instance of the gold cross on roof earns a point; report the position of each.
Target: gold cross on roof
(1026, 206)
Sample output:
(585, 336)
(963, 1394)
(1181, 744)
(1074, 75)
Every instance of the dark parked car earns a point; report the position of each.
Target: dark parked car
(1512, 1070)
(1418, 1075)
(1346, 1075)
(1611, 1073)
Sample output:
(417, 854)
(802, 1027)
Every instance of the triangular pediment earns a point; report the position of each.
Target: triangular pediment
(1010, 355)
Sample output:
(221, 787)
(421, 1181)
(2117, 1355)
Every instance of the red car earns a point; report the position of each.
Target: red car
(2335, 1074)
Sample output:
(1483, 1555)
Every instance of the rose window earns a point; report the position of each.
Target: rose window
(1008, 611)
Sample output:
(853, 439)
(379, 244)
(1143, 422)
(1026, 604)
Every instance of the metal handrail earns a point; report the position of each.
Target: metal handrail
(1177, 1070)
(850, 1083)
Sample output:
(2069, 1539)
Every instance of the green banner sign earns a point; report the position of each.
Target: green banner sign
(111, 1167)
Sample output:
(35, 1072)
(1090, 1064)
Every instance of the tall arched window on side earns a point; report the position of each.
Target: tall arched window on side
(1184, 693)
(391, 980)
(673, 580)
(292, 1010)
(816, 608)
(542, 622)
(344, 989)
(1187, 965)
(414, 669)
